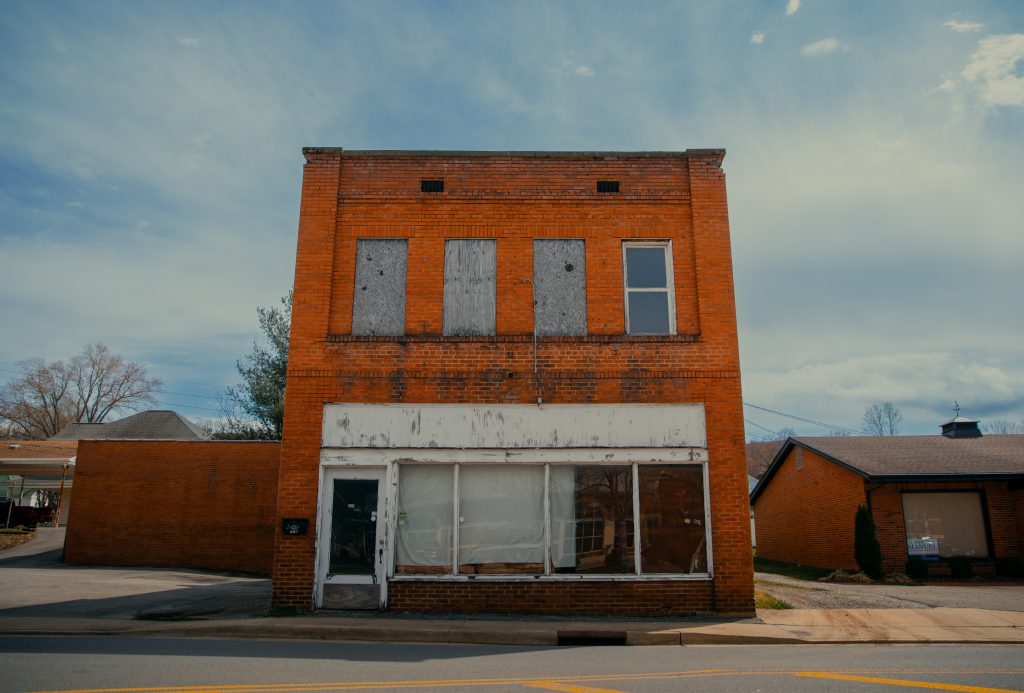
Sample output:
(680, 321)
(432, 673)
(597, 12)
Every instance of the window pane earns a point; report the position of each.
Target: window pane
(560, 287)
(648, 312)
(947, 524)
(378, 301)
(469, 286)
(591, 519)
(672, 531)
(424, 539)
(501, 528)
(645, 268)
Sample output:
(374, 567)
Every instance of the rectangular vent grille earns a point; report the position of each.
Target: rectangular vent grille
(433, 186)
(607, 186)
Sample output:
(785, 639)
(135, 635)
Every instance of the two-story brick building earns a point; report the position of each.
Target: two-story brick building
(514, 386)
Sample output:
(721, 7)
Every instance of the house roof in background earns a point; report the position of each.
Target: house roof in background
(37, 449)
(912, 458)
(155, 424)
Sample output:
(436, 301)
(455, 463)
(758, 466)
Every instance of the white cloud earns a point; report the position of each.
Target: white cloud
(584, 71)
(757, 37)
(963, 27)
(992, 70)
(188, 41)
(947, 85)
(822, 47)
(792, 6)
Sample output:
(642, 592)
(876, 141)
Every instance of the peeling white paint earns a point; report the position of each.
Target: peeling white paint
(512, 426)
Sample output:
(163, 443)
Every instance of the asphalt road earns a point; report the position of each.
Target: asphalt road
(247, 666)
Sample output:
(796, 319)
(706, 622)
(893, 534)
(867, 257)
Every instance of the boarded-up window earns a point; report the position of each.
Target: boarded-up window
(560, 287)
(378, 305)
(469, 287)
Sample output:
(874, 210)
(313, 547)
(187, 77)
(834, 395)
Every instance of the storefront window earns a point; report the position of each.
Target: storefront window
(590, 528)
(592, 520)
(425, 513)
(945, 524)
(672, 533)
(501, 519)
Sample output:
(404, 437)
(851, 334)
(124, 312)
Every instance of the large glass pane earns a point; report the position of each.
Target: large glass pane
(501, 519)
(944, 524)
(645, 268)
(425, 512)
(353, 527)
(673, 537)
(591, 519)
(648, 312)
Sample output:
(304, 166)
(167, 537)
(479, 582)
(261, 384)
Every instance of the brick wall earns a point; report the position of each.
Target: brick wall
(806, 515)
(514, 199)
(1004, 517)
(639, 598)
(184, 504)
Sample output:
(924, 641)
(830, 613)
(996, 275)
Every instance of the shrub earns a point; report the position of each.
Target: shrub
(961, 567)
(865, 545)
(1009, 566)
(917, 568)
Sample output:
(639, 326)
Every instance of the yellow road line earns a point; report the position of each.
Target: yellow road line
(567, 688)
(909, 684)
(566, 681)
(358, 685)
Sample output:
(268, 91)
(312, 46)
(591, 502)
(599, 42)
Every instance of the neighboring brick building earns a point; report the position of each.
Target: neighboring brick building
(514, 386)
(930, 496)
(186, 504)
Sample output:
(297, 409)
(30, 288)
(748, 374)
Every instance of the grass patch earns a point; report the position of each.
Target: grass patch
(793, 570)
(763, 600)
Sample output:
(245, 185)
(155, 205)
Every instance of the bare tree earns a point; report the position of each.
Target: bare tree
(1003, 427)
(46, 396)
(882, 419)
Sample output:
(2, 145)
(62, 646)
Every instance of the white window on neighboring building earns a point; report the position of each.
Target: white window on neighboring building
(649, 293)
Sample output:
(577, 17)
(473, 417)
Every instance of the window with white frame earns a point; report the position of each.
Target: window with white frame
(649, 294)
(611, 519)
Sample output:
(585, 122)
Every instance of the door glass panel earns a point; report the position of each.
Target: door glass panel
(353, 527)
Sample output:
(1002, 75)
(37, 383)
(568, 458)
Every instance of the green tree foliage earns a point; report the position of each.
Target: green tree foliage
(865, 545)
(255, 407)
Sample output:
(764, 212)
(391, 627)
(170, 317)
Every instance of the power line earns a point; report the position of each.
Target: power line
(800, 418)
(774, 433)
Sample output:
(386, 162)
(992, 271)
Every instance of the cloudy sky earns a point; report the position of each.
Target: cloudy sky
(150, 168)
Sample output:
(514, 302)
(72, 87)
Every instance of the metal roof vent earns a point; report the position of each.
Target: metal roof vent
(961, 427)
(431, 186)
(607, 186)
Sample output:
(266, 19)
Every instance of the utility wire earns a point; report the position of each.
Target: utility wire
(800, 418)
(774, 433)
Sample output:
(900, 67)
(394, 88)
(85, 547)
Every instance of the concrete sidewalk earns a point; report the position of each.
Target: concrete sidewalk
(797, 626)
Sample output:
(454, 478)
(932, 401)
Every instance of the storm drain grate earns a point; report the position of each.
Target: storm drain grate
(591, 638)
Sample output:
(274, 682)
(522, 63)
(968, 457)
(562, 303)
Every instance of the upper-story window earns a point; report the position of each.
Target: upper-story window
(559, 287)
(378, 302)
(649, 294)
(469, 287)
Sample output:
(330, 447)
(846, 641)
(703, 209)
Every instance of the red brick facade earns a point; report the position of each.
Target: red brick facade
(516, 198)
(805, 515)
(184, 504)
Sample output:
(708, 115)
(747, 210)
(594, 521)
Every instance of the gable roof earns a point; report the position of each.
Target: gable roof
(912, 458)
(155, 424)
